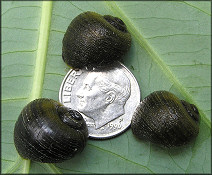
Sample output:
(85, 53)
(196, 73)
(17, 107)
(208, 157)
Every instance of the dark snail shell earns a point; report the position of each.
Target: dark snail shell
(92, 40)
(48, 132)
(164, 119)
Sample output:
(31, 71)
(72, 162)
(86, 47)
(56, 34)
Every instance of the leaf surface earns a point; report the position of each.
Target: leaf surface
(170, 51)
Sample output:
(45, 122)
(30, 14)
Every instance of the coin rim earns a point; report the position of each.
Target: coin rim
(101, 137)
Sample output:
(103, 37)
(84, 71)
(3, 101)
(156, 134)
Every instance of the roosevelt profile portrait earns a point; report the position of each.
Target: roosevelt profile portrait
(103, 95)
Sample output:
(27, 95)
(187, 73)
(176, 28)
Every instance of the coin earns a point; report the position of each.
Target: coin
(106, 99)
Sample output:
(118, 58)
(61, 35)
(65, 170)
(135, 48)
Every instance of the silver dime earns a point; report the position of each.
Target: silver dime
(106, 99)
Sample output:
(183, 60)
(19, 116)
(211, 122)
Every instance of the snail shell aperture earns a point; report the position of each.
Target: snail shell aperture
(92, 40)
(48, 132)
(164, 119)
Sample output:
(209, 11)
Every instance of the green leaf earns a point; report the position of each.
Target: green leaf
(170, 51)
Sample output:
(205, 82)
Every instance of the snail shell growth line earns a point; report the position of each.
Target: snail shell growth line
(92, 40)
(48, 132)
(164, 119)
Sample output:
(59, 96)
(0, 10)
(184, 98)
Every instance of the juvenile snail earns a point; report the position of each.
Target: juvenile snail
(48, 132)
(92, 40)
(164, 119)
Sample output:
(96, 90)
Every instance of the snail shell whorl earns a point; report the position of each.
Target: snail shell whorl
(92, 40)
(48, 132)
(164, 119)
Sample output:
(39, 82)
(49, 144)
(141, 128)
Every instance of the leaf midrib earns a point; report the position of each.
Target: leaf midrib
(155, 57)
(41, 58)
(195, 7)
(42, 48)
(39, 73)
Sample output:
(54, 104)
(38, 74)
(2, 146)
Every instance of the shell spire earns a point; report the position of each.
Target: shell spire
(48, 132)
(162, 118)
(92, 40)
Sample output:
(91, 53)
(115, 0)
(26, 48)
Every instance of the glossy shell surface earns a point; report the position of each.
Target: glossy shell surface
(92, 40)
(48, 132)
(164, 119)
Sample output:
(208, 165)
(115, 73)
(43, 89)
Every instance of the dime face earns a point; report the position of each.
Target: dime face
(106, 99)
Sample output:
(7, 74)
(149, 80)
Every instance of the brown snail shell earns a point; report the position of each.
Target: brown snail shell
(92, 40)
(164, 119)
(48, 132)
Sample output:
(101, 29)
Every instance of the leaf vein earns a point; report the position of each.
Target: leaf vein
(16, 8)
(17, 51)
(7, 143)
(53, 30)
(76, 6)
(176, 162)
(154, 55)
(199, 87)
(121, 157)
(53, 168)
(187, 65)
(76, 170)
(176, 34)
(195, 7)
(49, 73)
(51, 54)
(15, 165)
(18, 28)
(16, 76)
(185, 51)
(162, 18)
(14, 99)
(8, 160)
(62, 16)
(50, 90)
